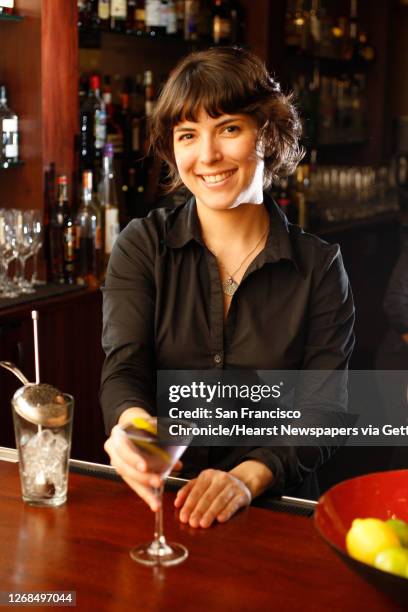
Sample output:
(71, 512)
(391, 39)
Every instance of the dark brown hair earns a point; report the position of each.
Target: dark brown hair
(228, 80)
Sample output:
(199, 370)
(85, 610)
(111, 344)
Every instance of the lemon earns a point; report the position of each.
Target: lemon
(393, 560)
(401, 529)
(141, 423)
(367, 537)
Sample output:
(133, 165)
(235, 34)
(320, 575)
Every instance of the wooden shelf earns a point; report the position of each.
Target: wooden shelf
(12, 164)
(6, 17)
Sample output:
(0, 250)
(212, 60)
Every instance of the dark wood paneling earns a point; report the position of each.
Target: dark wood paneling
(20, 70)
(59, 65)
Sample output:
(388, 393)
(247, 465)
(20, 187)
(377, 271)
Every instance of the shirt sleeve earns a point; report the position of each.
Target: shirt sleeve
(128, 374)
(328, 347)
(396, 297)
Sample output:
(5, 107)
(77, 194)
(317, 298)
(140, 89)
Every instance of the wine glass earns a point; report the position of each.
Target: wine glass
(24, 237)
(160, 456)
(38, 231)
(7, 252)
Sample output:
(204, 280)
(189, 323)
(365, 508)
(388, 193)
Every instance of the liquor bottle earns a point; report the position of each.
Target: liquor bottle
(314, 28)
(92, 127)
(191, 12)
(49, 204)
(140, 21)
(58, 219)
(69, 250)
(237, 22)
(130, 25)
(88, 236)
(104, 14)
(6, 7)
(221, 28)
(171, 18)
(365, 50)
(149, 93)
(8, 131)
(109, 205)
(153, 17)
(180, 10)
(204, 23)
(118, 12)
(88, 14)
(283, 200)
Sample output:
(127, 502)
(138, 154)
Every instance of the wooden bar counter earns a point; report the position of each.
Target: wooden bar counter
(259, 560)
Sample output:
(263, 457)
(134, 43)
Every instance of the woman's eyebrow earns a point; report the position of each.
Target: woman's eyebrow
(186, 128)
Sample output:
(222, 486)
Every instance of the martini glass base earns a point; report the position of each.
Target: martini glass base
(165, 554)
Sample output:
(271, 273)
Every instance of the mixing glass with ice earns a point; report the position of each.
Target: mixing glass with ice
(43, 428)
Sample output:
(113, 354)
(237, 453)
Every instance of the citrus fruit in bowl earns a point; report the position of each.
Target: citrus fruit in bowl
(364, 520)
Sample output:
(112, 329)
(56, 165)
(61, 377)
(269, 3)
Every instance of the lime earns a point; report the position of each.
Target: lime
(401, 529)
(393, 560)
(367, 537)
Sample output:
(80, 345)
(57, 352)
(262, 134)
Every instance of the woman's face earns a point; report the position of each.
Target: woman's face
(217, 160)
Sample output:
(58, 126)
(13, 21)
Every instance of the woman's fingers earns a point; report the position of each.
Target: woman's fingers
(213, 495)
(183, 493)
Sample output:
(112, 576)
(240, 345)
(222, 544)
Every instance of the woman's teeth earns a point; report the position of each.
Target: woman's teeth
(217, 178)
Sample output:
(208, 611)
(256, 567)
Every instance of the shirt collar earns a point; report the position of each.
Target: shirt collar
(185, 226)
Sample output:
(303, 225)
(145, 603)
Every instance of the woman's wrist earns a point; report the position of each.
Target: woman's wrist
(255, 475)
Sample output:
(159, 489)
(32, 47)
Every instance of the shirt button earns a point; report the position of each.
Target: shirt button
(217, 358)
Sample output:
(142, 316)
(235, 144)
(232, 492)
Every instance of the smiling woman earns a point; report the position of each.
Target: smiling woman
(222, 281)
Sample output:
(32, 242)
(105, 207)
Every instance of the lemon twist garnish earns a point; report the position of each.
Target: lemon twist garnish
(142, 423)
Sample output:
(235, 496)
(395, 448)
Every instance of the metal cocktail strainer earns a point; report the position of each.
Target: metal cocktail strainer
(38, 403)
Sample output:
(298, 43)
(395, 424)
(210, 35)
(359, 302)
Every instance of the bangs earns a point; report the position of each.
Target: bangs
(216, 95)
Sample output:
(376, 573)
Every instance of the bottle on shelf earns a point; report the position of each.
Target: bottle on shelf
(88, 14)
(139, 22)
(88, 236)
(9, 131)
(191, 14)
(169, 17)
(283, 200)
(6, 7)
(104, 14)
(153, 18)
(118, 15)
(221, 22)
(69, 249)
(92, 127)
(58, 217)
(108, 200)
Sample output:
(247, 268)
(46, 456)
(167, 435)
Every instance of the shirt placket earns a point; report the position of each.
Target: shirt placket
(216, 313)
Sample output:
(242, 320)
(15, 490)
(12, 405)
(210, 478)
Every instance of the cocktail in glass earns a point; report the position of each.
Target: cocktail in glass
(160, 457)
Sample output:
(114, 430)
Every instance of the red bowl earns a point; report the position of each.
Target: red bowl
(381, 495)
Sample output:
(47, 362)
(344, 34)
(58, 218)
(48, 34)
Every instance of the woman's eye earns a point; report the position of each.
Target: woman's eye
(186, 137)
(231, 129)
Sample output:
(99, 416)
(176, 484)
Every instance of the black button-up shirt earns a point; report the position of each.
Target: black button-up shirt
(163, 310)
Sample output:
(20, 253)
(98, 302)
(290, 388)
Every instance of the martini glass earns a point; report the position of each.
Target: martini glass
(160, 457)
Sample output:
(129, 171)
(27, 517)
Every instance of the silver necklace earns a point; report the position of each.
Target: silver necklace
(229, 286)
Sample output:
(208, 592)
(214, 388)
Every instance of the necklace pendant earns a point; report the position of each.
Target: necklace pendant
(229, 286)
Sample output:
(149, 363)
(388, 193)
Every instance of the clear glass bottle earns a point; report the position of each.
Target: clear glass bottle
(58, 217)
(109, 205)
(8, 130)
(88, 236)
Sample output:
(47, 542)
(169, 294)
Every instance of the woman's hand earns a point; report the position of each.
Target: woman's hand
(213, 495)
(131, 466)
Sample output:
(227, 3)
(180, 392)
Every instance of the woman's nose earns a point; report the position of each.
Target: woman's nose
(209, 150)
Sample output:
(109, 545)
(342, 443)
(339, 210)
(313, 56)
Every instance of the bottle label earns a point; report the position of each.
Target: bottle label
(171, 24)
(98, 237)
(111, 228)
(153, 13)
(100, 128)
(221, 29)
(139, 14)
(104, 9)
(119, 9)
(69, 244)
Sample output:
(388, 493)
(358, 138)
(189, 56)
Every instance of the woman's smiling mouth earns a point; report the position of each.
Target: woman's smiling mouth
(212, 179)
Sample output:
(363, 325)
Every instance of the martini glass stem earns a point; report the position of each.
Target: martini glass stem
(159, 539)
